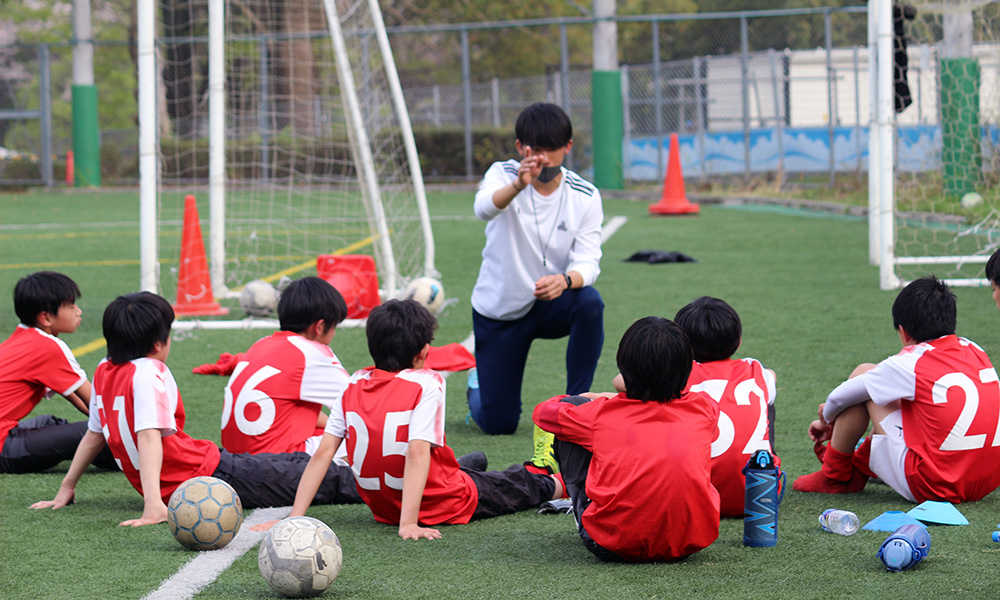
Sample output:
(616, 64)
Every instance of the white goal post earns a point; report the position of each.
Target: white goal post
(309, 146)
(933, 164)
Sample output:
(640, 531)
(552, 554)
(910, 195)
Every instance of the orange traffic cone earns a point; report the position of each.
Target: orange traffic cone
(194, 286)
(674, 200)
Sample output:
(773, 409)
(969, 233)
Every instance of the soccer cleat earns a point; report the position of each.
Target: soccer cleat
(544, 457)
(838, 476)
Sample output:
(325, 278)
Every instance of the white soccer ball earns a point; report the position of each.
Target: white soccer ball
(426, 291)
(971, 200)
(300, 557)
(259, 298)
(204, 513)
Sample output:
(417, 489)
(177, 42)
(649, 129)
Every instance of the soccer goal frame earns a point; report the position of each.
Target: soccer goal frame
(897, 262)
(363, 149)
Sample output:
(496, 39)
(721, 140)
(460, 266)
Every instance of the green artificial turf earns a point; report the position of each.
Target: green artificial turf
(811, 310)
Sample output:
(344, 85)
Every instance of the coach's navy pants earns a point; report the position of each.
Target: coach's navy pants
(502, 350)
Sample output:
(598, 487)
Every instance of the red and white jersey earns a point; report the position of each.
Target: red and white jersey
(744, 389)
(378, 416)
(275, 393)
(951, 416)
(650, 476)
(142, 394)
(33, 365)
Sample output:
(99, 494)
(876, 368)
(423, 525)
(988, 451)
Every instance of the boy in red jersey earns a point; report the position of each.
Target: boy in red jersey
(637, 465)
(137, 409)
(744, 389)
(36, 364)
(392, 417)
(993, 274)
(934, 410)
(274, 396)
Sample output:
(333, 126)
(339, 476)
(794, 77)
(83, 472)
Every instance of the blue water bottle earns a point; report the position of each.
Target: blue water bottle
(764, 489)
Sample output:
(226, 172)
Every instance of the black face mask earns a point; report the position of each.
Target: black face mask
(548, 174)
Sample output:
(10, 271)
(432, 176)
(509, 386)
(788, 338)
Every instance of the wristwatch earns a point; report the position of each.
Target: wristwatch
(569, 281)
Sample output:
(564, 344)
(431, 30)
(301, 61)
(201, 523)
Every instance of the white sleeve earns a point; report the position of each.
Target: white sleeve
(323, 381)
(94, 418)
(496, 177)
(336, 424)
(155, 397)
(427, 419)
(847, 394)
(771, 384)
(585, 253)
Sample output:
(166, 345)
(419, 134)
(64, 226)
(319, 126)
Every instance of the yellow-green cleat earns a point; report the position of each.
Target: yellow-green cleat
(544, 457)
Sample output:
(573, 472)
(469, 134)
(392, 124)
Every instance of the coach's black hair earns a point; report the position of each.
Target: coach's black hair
(925, 309)
(654, 358)
(397, 331)
(543, 126)
(308, 300)
(712, 326)
(993, 268)
(44, 291)
(133, 323)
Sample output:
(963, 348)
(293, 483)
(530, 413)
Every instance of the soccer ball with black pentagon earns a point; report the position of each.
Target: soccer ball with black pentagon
(204, 513)
(426, 291)
(259, 298)
(300, 557)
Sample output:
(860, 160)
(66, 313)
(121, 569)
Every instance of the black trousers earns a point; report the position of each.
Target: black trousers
(42, 442)
(272, 479)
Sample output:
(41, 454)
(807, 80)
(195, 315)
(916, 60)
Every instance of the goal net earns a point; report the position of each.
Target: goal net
(943, 157)
(314, 154)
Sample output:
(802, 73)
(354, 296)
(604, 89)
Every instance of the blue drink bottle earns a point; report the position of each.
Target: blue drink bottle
(764, 489)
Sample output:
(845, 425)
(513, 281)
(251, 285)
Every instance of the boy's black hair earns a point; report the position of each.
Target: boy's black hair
(544, 126)
(654, 358)
(44, 291)
(133, 323)
(397, 331)
(993, 268)
(712, 326)
(308, 300)
(925, 309)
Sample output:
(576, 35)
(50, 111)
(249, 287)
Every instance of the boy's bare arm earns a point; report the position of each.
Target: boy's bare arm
(80, 398)
(311, 479)
(418, 464)
(91, 444)
(150, 442)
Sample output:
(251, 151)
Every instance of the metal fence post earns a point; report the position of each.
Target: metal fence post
(699, 94)
(626, 121)
(830, 76)
(467, 102)
(745, 91)
(567, 100)
(658, 99)
(45, 106)
(779, 121)
(495, 97)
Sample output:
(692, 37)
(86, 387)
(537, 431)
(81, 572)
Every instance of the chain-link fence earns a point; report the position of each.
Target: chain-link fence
(759, 93)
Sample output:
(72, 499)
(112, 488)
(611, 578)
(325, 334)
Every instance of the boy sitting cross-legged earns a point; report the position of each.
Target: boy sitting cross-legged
(392, 418)
(934, 410)
(637, 465)
(743, 388)
(137, 409)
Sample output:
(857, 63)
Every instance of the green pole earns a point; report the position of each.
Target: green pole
(86, 138)
(961, 137)
(608, 130)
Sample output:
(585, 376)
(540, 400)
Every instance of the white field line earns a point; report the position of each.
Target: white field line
(203, 569)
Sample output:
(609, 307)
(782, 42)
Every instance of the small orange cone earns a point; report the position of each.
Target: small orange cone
(674, 200)
(194, 285)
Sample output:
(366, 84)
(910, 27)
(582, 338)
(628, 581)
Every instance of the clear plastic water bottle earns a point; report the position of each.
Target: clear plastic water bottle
(842, 522)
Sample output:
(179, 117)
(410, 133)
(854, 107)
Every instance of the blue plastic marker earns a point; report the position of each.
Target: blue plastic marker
(996, 536)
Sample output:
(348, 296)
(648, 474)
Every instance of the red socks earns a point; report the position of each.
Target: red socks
(838, 475)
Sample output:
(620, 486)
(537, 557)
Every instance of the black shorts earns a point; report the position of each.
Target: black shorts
(509, 491)
(41, 442)
(272, 479)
